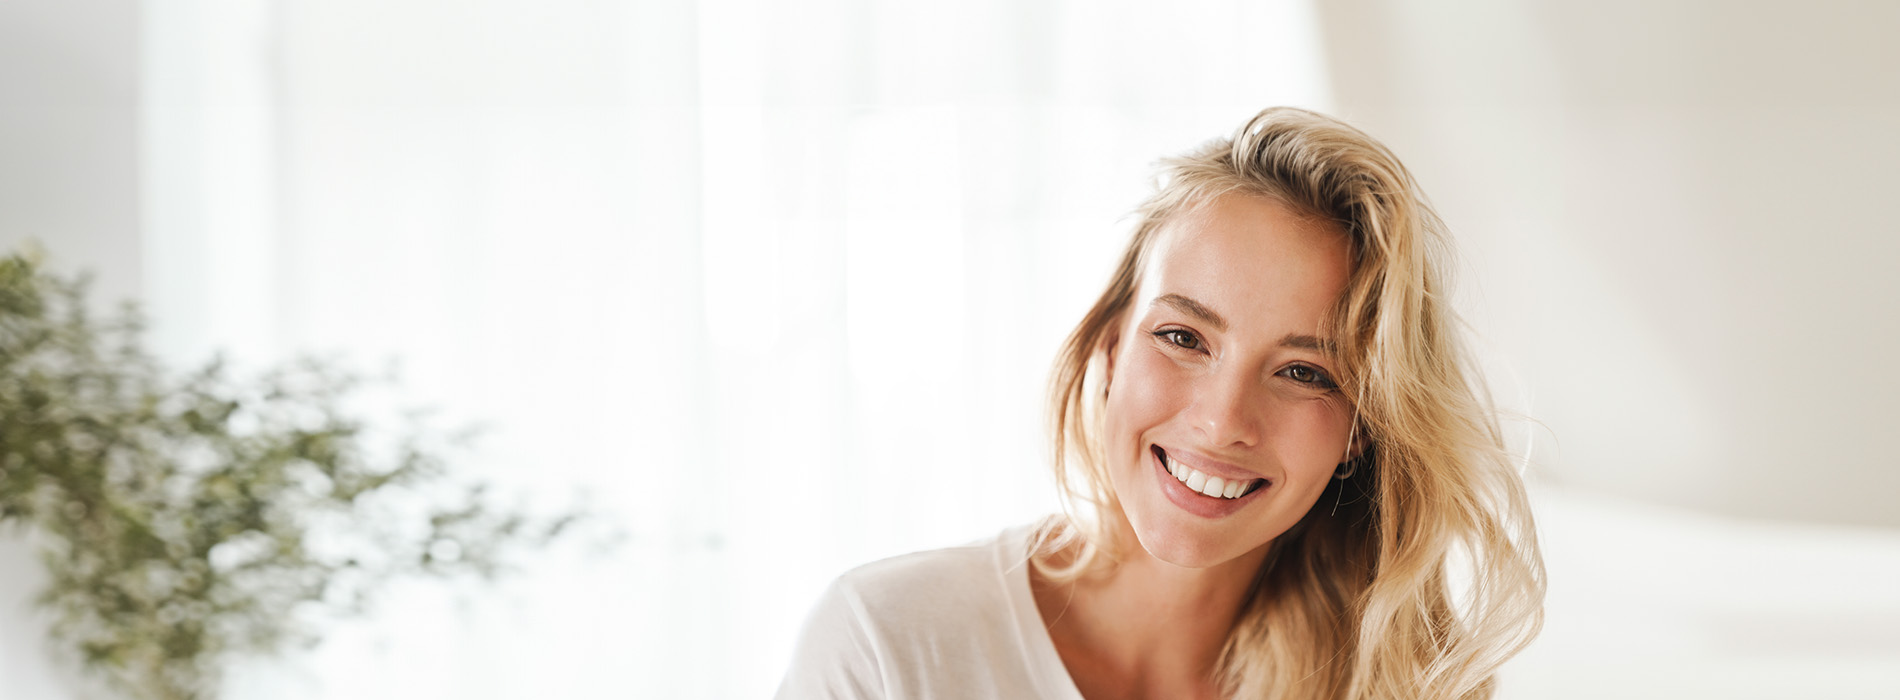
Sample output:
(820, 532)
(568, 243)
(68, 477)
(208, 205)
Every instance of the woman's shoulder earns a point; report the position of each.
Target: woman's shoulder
(936, 582)
(938, 623)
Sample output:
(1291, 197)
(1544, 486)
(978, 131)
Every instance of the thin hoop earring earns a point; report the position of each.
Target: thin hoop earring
(1346, 469)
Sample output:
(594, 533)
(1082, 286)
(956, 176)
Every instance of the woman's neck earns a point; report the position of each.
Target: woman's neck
(1146, 628)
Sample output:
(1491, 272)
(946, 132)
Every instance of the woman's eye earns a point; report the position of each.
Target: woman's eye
(1307, 375)
(1181, 339)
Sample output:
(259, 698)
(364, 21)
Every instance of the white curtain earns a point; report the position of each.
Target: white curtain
(773, 285)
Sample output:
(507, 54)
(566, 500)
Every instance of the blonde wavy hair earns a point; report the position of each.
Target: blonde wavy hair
(1418, 575)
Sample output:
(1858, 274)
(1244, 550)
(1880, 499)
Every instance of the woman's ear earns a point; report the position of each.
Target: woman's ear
(1357, 444)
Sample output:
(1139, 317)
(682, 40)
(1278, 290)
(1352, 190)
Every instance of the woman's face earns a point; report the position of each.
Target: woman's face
(1220, 373)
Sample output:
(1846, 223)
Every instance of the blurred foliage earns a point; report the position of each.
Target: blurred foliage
(184, 518)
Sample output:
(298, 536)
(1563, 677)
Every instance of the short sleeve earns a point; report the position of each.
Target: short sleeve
(835, 658)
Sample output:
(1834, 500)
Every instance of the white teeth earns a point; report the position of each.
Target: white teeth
(1213, 486)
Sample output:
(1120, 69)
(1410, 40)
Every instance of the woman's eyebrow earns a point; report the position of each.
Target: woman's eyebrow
(1306, 342)
(1193, 308)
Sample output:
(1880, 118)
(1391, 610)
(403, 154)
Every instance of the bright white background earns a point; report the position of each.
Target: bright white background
(776, 284)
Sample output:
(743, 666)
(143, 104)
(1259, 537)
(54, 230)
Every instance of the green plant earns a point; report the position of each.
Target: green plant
(184, 518)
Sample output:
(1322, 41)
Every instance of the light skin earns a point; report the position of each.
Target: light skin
(1220, 363)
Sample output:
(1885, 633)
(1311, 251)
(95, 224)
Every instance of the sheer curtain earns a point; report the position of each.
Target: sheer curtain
(772, 285)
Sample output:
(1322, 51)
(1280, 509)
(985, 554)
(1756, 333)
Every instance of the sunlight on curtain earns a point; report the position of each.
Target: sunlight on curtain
(774, 285)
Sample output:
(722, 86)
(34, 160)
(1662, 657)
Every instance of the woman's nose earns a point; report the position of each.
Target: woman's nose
(1226, 409)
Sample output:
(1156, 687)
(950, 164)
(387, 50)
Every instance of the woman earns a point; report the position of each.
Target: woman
(1282, 476)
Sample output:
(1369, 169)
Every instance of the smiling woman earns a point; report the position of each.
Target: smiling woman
(1276, 462)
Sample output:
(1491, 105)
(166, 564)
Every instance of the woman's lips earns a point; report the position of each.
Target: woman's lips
(1225, 480)
(1196, 500)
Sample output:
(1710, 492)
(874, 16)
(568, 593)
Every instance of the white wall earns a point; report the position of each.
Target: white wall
(1678, 216)
(68, 135)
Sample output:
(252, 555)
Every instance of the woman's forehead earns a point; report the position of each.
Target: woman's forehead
(1250, 259)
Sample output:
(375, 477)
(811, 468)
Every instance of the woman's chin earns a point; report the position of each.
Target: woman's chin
(1189, 547)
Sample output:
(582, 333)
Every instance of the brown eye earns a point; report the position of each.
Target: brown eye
(1181, 339)
(1308, 375)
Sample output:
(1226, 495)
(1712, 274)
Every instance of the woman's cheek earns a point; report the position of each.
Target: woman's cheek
(1316, 434)
(1154, 387)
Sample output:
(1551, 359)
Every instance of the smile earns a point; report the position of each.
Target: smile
(1204, 484)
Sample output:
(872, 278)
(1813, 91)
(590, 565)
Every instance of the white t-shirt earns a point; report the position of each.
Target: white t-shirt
(949, 623)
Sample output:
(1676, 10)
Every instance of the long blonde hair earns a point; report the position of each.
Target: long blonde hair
(1358, 599)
